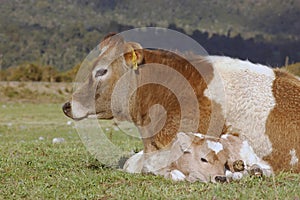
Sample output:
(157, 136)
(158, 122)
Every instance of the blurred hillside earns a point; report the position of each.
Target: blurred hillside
(294, 68)
(61, 33)
(34, 92)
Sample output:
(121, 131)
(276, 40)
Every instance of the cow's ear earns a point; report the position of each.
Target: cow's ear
(110, 40)
(134, 55)
(109, 35)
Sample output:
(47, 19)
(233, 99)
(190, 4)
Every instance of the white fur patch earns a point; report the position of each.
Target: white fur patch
(215, 146)
(228, 174)
(103, 50)
(224, 136)
(237, 175)
(199, 135)
(135, 163)
(155, 161)
(78, 110)
(244, 91)
(294, 158)
(248, 154)
(177, 175)
(250, 158)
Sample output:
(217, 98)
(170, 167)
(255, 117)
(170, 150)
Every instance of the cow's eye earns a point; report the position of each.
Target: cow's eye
(101, 72)
(204, 160)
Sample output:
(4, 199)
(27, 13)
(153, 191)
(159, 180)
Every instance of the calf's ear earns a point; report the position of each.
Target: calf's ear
(223, 156)
(134, 55)
(184, 141)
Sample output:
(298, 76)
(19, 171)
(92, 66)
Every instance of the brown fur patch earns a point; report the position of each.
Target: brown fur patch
(283, 123)
(151, 94)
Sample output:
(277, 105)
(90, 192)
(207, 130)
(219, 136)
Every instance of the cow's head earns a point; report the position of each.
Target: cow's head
(93, 96)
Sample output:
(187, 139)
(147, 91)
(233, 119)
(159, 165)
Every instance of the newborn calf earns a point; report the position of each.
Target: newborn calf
(197, 157)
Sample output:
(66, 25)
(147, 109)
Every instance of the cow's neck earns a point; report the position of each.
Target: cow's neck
(157, 110)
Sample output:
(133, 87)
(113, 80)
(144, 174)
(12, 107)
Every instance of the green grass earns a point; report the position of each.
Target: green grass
(37, 169)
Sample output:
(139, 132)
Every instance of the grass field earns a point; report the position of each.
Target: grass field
(32, 167)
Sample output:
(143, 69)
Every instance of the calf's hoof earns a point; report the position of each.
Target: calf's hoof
(220, 179)
(256, 171)
(238, 166)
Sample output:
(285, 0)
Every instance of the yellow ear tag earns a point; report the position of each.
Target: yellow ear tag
(134, 60)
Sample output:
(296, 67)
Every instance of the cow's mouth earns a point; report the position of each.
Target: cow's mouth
(99, 115)
(79, 118)
(67, 109)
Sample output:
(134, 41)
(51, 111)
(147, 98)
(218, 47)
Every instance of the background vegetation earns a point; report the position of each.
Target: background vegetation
(61, 33)
(294, 68)
(36, 72)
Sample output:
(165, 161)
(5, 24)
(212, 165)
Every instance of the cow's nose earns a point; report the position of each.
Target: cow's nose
(220, 179)
(67, 108)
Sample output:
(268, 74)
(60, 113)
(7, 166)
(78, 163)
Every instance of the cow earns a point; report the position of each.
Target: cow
(197, 157)
(260, 103)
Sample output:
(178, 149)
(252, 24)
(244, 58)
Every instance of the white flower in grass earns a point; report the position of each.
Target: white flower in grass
(41, 138)
(58, 140)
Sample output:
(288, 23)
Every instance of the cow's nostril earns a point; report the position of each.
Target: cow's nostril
(66, 107)
(220, 179)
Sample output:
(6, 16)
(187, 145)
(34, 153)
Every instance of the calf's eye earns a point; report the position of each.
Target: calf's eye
(204, 160)
(101, 72)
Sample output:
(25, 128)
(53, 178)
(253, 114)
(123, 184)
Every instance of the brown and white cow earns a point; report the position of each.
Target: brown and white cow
(196, 157)
(261, 104)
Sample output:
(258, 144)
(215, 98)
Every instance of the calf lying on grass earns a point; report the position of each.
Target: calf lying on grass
(197, 157)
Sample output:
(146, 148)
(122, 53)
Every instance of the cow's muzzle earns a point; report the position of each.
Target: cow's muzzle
(67, 109)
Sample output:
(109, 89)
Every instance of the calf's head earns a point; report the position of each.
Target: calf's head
(203, 158)
(197, 157)
(93, 94)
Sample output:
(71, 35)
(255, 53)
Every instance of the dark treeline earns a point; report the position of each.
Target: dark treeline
(60, 34)
(71, 47)
(270, 54)
(274, 55)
